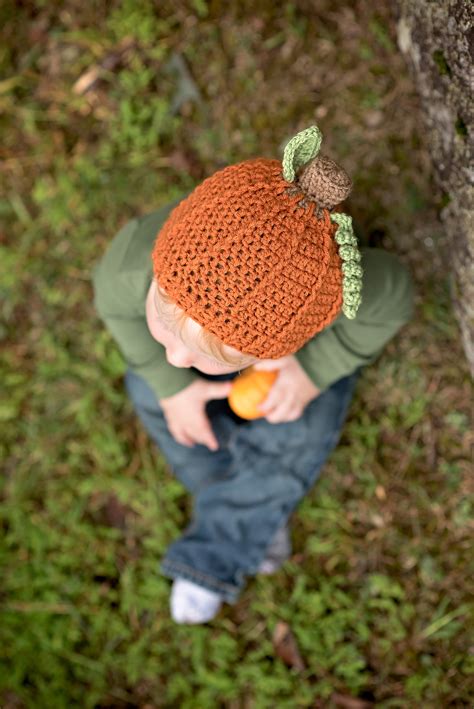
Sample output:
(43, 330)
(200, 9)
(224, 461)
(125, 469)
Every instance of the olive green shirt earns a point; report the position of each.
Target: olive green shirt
(123, 275)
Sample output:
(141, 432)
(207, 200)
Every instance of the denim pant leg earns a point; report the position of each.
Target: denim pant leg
(271, 467)
(193, 466)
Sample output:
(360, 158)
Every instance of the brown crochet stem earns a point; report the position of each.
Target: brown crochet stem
(324, 182)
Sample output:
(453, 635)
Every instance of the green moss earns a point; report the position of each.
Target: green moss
(445, 200)
(441, 63)
(461, 128)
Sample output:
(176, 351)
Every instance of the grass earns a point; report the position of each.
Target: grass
(377, 592)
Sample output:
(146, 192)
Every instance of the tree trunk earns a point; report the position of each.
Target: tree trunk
(437, 37)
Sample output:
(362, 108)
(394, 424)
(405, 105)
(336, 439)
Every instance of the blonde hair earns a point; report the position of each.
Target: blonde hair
(176, 320)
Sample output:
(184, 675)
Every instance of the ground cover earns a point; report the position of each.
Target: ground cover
(108, 110)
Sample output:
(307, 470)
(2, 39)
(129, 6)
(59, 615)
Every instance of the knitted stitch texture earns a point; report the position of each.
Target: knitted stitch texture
(245, 260)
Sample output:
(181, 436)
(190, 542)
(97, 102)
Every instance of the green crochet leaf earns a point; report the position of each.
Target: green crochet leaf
(299, 150)
(351, 269)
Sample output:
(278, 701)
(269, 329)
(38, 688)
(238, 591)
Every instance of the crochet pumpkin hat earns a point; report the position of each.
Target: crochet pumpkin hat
(256, 255)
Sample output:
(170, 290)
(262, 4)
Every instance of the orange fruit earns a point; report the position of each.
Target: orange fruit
(250, 389)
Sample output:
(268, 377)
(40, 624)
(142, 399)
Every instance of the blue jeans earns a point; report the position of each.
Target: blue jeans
(247, 489)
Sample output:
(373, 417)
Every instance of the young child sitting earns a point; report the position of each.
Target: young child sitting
(257, 266)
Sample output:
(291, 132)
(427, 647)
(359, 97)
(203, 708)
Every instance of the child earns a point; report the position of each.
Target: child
(257, 266)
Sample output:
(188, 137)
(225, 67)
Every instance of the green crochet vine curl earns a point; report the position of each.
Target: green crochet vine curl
(351, 268)
(302, 148)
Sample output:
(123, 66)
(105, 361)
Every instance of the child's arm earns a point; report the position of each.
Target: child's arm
(345, 345)
(121, 280)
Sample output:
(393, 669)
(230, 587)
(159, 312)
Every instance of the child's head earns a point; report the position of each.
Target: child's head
(187, 344)
(257, 258)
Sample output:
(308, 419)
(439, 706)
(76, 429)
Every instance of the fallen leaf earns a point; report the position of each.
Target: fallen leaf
(86, 80)
(186, 88)
(111, 61)
(115, 514)
(285, 646)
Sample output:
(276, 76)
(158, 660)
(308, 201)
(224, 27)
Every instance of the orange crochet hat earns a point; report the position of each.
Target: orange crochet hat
(256, 255)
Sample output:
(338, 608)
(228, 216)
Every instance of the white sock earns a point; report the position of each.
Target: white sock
(193, 604)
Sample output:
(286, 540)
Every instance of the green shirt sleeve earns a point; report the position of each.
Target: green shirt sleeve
(345, 345)
(121, 280)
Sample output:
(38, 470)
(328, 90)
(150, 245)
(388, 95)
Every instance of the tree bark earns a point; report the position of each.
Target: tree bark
(437, 37)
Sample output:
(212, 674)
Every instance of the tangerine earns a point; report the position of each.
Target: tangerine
(249, 389)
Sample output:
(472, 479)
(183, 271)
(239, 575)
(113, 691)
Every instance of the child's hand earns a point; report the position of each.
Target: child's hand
(185, 412)
(291, 392)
